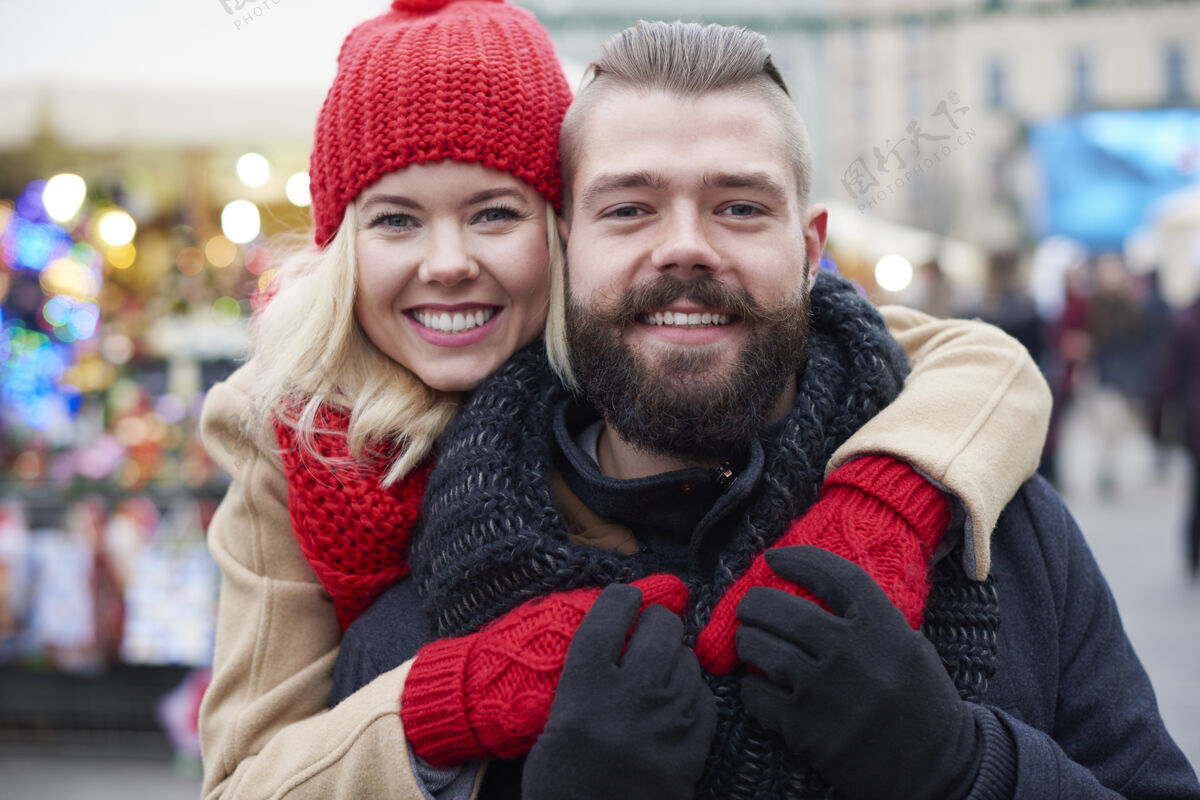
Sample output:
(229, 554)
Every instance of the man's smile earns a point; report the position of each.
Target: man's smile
(680, 319)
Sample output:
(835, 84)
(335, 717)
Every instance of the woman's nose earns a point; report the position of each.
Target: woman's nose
(448, 260)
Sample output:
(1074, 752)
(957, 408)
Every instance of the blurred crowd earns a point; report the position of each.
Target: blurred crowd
(1109, 345)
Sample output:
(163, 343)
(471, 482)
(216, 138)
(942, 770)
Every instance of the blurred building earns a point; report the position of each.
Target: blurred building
(920, 112)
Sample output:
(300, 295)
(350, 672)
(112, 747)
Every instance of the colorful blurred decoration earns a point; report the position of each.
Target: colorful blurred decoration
(31, 364)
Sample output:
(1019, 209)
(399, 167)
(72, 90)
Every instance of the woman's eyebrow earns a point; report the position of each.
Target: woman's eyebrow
(492, 194)
(391, 200)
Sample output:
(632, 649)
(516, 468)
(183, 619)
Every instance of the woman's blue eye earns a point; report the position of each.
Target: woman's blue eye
(394, 220)
(497, 214)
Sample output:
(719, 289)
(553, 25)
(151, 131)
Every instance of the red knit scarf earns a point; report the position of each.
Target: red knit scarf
(354, 532)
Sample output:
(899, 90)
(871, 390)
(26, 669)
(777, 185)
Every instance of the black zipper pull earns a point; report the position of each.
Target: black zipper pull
(722, 475)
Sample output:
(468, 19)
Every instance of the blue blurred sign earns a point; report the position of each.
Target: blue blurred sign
(1102, 171)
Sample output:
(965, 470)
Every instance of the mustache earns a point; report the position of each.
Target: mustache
(704, 290)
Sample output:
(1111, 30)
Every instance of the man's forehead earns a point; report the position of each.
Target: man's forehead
(734, 136)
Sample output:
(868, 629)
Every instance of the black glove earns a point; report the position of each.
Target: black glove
(857, 692)
(637, 724)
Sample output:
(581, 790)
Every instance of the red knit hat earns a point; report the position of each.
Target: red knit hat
(476, 81)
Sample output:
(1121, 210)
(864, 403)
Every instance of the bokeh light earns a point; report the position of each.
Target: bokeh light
(66, 276)
(32, 245)
(253, 169)
(220, 252)
(226, 310)
(63, 195)
(117, 348)
(122, 256)
(116, 227)
(190, 261)
(893, 273)
(29, 203)
(297, 190)
(258, 260)
(240, 221)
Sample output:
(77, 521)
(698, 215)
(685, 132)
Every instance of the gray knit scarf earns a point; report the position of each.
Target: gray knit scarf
(491, 537)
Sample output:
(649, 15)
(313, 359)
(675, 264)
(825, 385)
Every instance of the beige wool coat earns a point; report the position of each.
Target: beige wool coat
(972, 416)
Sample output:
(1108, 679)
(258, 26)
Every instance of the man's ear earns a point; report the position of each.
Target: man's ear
(815, 221)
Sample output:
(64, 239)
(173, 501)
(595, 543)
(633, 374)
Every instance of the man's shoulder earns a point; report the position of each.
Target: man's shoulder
(1036, 534)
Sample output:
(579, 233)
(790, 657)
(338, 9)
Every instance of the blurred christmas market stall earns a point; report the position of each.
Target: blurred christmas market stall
(148, 184)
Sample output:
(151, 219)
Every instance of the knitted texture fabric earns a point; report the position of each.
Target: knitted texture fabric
(875, 511)
(476, 81)
(354, 532)
(491, 537)
(488, 694)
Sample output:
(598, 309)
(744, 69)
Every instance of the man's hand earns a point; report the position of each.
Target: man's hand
(627, 721)
(857, 692)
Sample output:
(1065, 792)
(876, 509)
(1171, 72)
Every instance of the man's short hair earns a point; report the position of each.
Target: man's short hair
(689, 60)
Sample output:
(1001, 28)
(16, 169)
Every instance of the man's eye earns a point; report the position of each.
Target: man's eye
(740, 210)
(626, 212)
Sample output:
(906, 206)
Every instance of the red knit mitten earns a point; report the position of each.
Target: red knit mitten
(353, 532)
(875, 511)
(488, 694)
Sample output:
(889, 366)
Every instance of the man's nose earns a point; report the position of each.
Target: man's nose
(684, 247)
(448, 259)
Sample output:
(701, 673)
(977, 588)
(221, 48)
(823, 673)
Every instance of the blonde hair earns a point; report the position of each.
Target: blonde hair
(680, 58)
(310, 351)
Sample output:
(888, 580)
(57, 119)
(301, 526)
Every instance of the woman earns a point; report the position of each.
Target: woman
(434, 178)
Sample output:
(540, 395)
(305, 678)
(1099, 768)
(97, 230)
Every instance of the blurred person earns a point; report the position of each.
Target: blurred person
(1008, 304)
(1176, 396)
(686, 177)
(1117, 359)
(1069, 346)
(435, 236)
(932, 292)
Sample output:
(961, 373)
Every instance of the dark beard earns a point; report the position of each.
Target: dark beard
(684, 407)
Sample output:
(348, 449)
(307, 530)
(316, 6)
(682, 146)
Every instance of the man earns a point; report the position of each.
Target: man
(720, 371)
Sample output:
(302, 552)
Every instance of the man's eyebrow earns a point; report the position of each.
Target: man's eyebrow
(759, 181)
(608, 181)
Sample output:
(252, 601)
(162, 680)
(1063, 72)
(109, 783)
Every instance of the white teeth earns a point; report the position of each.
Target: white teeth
(445, 322)
(679, 319)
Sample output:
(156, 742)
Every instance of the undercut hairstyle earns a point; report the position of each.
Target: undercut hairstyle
(685, 59)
